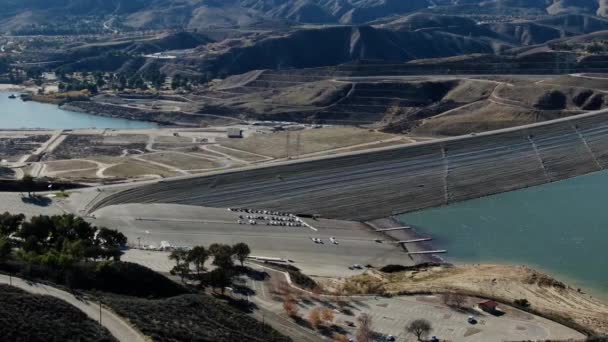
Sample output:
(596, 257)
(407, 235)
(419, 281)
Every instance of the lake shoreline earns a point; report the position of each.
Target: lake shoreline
(539, 226)
(16, 115)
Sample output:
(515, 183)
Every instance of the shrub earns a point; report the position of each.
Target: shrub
(551, 100)
(314, 317)
(401, 268)
(327, 315)
(522, 303)
(290, 307)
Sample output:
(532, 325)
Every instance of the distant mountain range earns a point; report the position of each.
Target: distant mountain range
(413, 37)
(192, 14)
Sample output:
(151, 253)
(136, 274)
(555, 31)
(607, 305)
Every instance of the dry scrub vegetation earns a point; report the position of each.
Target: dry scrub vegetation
(26, 317)
(191, 318)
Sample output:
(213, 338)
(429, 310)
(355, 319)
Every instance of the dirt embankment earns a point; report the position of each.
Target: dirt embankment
(163, 118)
(547, 296)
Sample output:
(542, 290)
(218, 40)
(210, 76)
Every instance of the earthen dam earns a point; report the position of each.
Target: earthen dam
(388, 181)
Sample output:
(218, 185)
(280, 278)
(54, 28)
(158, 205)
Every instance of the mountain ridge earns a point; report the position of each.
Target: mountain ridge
(196, 14)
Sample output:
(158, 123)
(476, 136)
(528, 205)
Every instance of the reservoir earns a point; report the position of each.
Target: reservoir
(15, 114)
(560, 228)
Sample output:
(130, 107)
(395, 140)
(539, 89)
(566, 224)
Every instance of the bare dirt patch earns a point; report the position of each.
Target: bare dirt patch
(88, 175)
(164, 139)
(238, 154)
(135, 168)
(182, 161)
(283, 144)
(66, 165)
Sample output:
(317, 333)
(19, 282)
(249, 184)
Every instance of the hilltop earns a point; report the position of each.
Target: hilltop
(191, 14)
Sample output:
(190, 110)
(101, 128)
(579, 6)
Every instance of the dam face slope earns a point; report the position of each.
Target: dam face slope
(376, 184)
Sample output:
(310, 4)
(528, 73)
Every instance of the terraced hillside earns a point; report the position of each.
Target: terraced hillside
(420, 105)
(388, 181)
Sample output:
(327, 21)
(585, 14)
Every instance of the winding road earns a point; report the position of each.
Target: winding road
(117, 326)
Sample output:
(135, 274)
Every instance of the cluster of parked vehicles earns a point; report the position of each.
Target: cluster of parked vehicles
(258, 211)
(321, 242)
(276, 218)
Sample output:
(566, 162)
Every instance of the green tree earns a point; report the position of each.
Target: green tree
(222, 257)
(182, 265)
(71, 227)
(74, 250)
(214, 248)
(5, 249)
(241, 252)
(219, 279)
(10, 224)
(198, 256)
(111, 238)
(112, 253)
(181, 270)
(39, 228)
(179, 256)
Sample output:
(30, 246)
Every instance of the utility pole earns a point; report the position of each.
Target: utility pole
(287, 137)
(298, 144)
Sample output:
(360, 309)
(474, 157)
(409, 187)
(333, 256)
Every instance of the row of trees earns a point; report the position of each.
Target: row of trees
(121, 81)
(57, 241)
(191, 264)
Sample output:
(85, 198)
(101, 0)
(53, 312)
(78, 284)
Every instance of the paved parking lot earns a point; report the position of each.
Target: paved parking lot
(391, 315)
(191, 225)
(13, 203)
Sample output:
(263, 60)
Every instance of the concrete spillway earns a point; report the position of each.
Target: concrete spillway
(370, 185)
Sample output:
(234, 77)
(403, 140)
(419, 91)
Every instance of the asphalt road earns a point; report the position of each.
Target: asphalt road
(118, 327)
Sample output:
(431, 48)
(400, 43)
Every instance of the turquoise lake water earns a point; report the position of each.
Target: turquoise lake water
(15, 113)
(561, 228)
